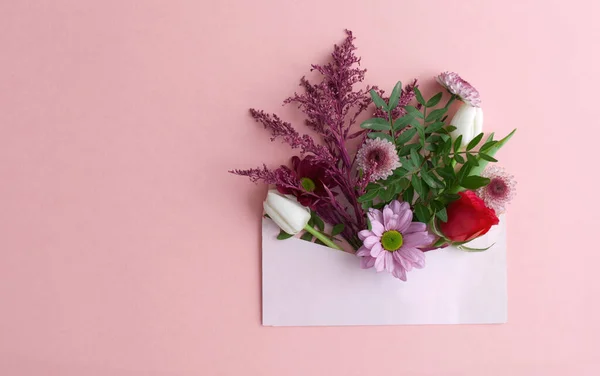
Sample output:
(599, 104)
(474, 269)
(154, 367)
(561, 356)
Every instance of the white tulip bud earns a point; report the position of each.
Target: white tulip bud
(468, 121)
(286, 212)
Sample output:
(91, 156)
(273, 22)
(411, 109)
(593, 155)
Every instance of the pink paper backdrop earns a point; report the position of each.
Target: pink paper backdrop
(126, 248)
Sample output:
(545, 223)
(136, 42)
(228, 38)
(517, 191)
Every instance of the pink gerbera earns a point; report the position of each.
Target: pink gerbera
(500, 191)
(378, 158)
(394, 240)
(456, 85)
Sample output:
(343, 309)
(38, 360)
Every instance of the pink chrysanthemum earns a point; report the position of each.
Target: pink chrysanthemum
(394, 240)
(500, 191)
(378, 158)
(456, 85)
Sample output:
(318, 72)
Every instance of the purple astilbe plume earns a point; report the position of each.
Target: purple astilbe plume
(289, 135)
(331, 107)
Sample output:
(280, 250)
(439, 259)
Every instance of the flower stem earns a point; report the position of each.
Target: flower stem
(322, 237)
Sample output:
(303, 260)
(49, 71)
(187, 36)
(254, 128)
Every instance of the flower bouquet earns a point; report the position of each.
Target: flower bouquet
(408, 180)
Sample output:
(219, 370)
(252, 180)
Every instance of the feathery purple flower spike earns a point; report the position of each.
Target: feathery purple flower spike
(331, 107)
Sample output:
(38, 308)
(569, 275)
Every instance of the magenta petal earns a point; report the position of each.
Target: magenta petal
(400, 274)
(376, 249)
(417, 239)
(371, 241)
(414, 256)
(377, 228)
(392, 223)
(404, 220)
(362, 235)
(401, 261)
(395, 206)
(363, 251)
(416, 227)
(380, 263)
(375, 215)
(388, 214)
(389, 262)
(367, 262)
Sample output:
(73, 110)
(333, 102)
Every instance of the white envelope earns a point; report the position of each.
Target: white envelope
(305, 284)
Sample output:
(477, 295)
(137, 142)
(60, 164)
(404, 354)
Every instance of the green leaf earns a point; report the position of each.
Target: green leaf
(469, 249)
(283, 235)
(451, 128)
(447, 173)
(487, 145)
(459, 158)
(403, 184)
(307, 236)
(400, 171)
(430, 181)
(414, 112)
(474, 182)
(406, 136)
(415, 157)
(421, 132)
(388, 194)
(490, 137)
(463, 172)
(472, 160)
(442, 214)
(420, 98)
(384, 136)
(447, 147)
(436, 114)
(376, 124)
(408, 194)
(449, 197)
(474, 141)
(437, 205)
(434, 127)
(403, 121)
(317, 221)
(380, 103)
(488, 158)
(405, 150)
(395, 96)
(422, 212)
(457, 143)
(434, 100)
(417, 184)
(337, 229)
(370, 195)
(491, 152)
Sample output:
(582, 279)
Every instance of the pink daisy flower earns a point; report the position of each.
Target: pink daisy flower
(394, 240)
(378, 158)
(456, 85)
(500, 191)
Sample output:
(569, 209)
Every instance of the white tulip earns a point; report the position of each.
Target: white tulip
(468, 121)
(286, 212)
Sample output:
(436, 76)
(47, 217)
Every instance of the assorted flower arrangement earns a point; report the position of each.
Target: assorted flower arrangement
(406, 181)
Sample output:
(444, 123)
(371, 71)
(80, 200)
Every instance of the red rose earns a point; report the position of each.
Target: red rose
(468, 218)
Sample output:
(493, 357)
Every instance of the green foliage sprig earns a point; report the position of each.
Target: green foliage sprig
(434, 166)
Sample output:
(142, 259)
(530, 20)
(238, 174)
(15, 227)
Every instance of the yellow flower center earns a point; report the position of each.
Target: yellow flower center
(307, 184)
(392, 240)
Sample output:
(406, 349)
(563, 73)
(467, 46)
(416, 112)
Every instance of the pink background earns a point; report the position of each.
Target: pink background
(126, 248)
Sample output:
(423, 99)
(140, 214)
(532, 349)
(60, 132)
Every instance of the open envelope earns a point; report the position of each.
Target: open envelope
(305, 284)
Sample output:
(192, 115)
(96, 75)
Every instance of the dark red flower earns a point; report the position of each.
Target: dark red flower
(313, 178)
(468, 218)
